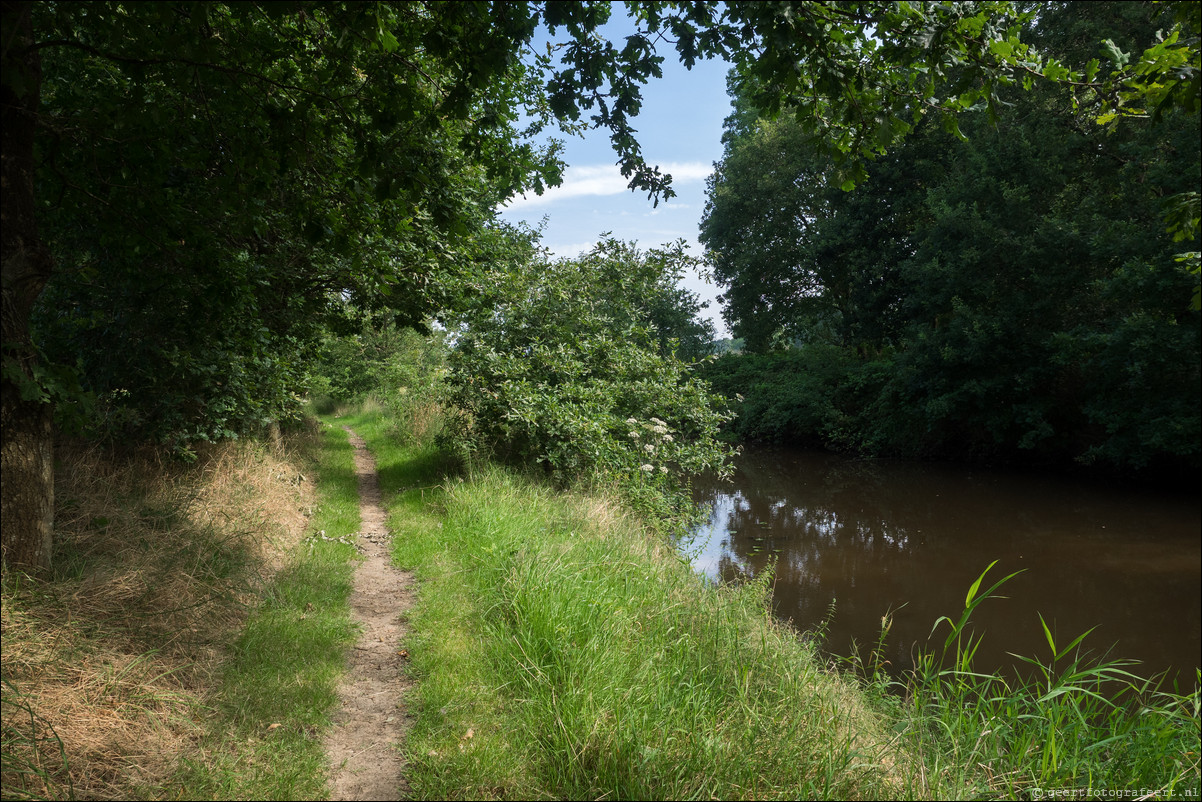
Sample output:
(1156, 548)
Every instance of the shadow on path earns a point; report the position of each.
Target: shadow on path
(372, 719)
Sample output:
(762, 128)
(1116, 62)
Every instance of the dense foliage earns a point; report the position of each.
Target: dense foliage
(193, 191)
(384, 357)
(215, 179)
(578, 365)
(1013, 296)
(252, 173)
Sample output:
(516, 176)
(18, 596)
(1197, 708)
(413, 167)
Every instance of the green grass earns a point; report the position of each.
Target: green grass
(562, 652)
(280, 687)
(1069, 723)
(39, 762)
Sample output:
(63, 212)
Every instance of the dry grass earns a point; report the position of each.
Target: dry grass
(426, 421)
(114, 657)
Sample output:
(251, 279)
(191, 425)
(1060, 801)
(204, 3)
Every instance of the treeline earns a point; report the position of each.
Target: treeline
(1017, 296)
(199, 195)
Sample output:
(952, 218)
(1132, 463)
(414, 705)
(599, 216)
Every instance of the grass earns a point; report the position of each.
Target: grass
(1067, 725)
(263, 739)
(189, 639)
(110, 661)
(189, 643)
(562, 652)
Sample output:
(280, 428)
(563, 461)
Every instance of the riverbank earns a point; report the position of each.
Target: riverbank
(565, 653)
(190, 647)
(562, 652)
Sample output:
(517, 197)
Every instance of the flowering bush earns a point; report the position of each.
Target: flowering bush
(566, 368)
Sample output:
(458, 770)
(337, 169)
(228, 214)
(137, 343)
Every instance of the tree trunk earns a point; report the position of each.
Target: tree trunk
(26, 456)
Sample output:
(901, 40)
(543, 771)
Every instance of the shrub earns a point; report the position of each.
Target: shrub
(572, 367)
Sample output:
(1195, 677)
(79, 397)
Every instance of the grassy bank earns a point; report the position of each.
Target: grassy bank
(188, 641)
(565, 653)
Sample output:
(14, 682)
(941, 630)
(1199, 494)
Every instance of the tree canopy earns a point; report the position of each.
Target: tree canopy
(193, 190)
(1015, 295)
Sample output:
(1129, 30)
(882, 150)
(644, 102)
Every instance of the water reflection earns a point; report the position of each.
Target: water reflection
(880, 536)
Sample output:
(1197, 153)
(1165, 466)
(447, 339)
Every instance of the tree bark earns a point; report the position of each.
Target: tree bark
(26, 454)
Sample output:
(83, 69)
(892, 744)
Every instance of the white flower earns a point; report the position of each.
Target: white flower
(667, 438)
(631, 422)
(663, 469)
(647, 468)
(650, 449)
(634, 435)
(658, 422)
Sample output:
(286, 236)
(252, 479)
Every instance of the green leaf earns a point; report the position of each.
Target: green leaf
(1116, 56)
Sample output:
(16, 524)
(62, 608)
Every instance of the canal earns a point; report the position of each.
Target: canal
(910, 538)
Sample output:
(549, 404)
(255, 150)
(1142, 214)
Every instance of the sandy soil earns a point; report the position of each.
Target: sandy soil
(372, 719)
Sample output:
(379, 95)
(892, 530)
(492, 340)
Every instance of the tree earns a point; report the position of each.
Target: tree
(329, 149)
(1026, 303)
(649, 292)
(216, 181)
(27, 498)
(801, 259)
(569, 367)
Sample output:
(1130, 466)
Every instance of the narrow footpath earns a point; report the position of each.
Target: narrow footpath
(372, 719)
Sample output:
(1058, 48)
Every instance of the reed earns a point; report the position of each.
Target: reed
(1067, 724)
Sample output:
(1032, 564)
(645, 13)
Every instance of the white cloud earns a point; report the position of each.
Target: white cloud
(569, 250)
(606, 179)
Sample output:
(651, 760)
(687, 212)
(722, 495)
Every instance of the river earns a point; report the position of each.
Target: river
(878, 536)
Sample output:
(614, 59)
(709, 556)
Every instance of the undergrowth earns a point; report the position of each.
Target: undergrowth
(109, 661)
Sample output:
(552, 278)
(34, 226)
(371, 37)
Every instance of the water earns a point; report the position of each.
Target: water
(879, 536)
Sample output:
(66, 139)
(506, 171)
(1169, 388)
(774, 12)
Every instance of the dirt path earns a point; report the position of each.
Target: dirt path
(372, 718)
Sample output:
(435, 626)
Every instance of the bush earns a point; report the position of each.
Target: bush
(568, 368)
(398, 368)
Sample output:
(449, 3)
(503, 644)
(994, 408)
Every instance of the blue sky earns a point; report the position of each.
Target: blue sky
(680, 130)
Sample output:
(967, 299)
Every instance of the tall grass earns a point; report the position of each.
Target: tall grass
(562, 652)
(1068, 724)
(189, 641)
(34, 762)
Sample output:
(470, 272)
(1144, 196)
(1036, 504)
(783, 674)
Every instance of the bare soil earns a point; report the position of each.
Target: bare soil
(372, 720)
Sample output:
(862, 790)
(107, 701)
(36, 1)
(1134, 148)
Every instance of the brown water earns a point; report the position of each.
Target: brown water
(877, 536)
